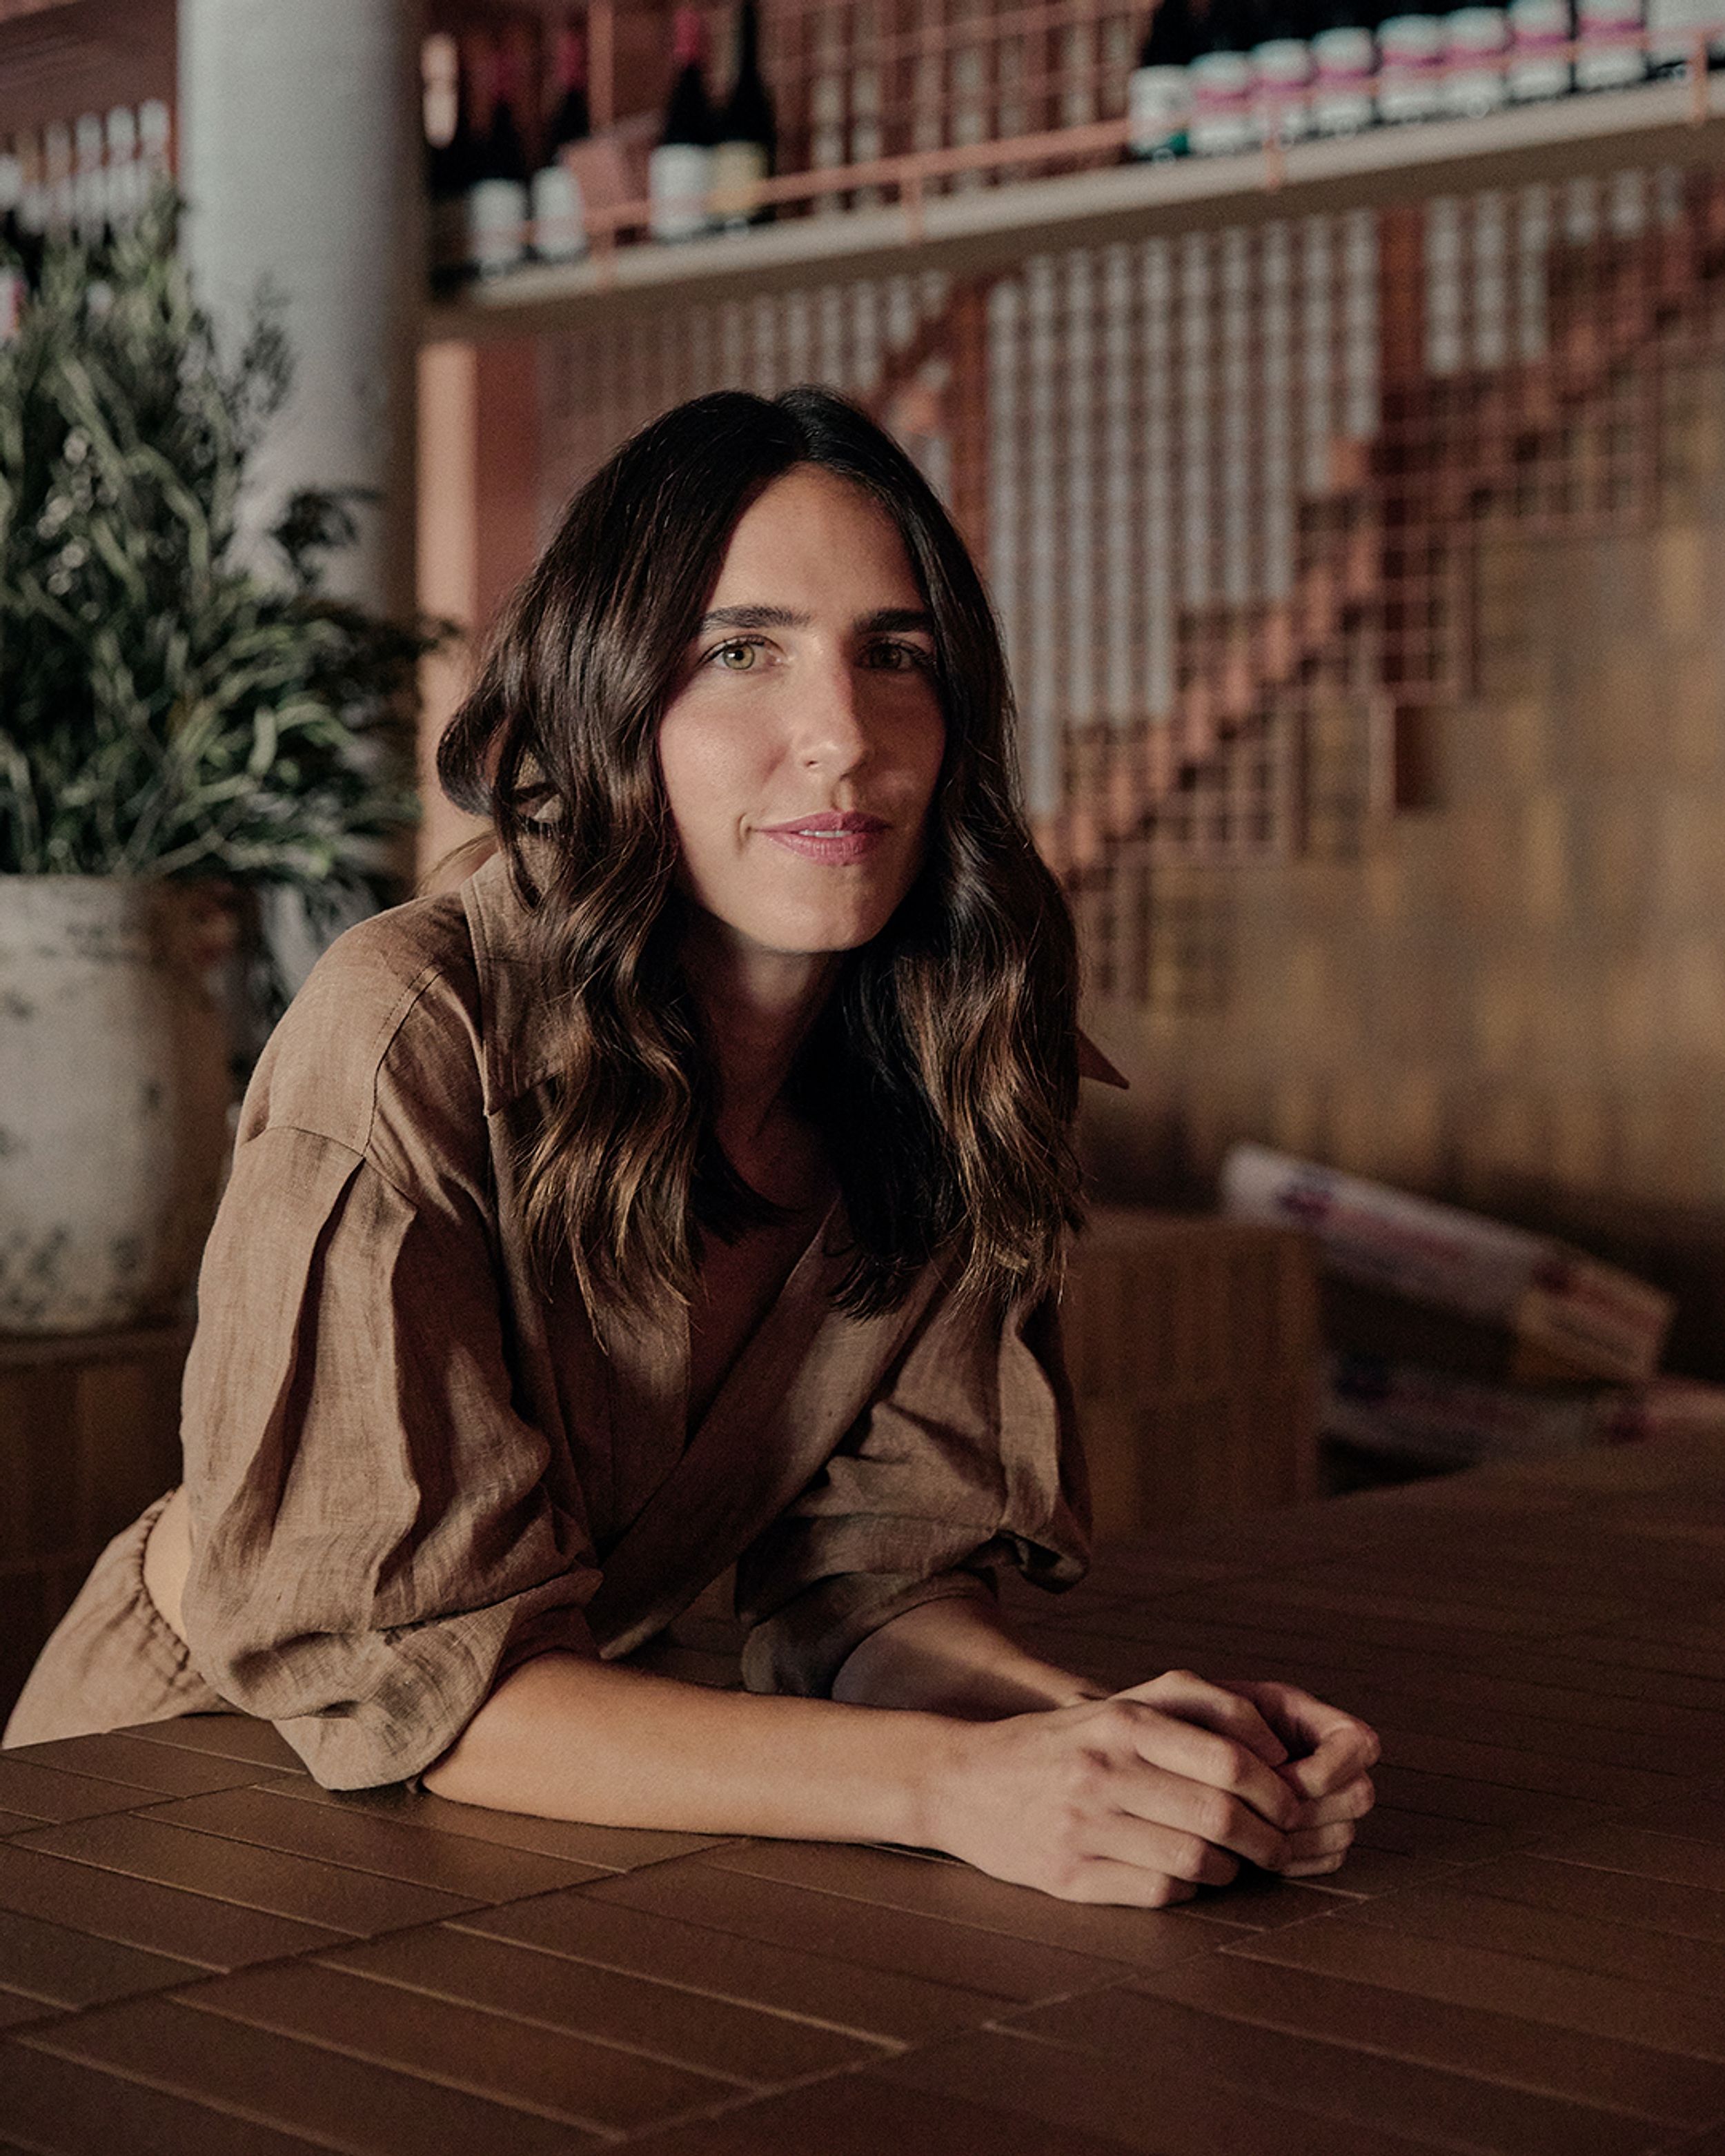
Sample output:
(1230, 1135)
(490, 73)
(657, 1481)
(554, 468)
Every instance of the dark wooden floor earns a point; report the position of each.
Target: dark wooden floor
(200, 1950)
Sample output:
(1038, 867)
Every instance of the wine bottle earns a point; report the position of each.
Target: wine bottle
(1476, 48)
(1539, 33)
(58, 176)
(155, 146)
(1221, 73)
(1410, 60)
(126, 173)
(1608, 39)
(14, 285)
(1344, 58)
(1159, 91)
(747, 148)
(451, 155)
(680, 172)
(497, 190)
(559, 234)
(90, 181)
(1281, 75)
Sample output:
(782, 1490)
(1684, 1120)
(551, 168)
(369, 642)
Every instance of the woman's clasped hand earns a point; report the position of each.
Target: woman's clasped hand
(1145, 1795)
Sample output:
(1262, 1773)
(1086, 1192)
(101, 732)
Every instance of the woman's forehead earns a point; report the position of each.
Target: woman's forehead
(813, 541)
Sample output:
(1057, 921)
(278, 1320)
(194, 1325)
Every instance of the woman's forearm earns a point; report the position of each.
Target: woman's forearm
(568, 1738)
(952, 1657)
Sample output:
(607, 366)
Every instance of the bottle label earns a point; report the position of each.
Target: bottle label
(1410, 73)
(1346, 60)
(679, 175)
(1539, 59)
(558, 233)
(1282, 67)
(1675, 26)
(496, 225)
(1222, 117)
(1159, 105)
(1475, 40)
(737, 171)
(1608, 34)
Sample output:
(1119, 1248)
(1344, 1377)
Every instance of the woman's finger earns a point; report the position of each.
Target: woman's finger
(1304, 1843)
(1155, 1847)
(1173, 1820)
(1214, 1707)
(1328, 1747)
(1352, 1801)
(1221, 1765)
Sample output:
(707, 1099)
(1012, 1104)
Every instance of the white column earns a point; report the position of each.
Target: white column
(300, 161)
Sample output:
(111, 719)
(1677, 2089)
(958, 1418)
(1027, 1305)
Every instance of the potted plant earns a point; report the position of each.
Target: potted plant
(186, 719)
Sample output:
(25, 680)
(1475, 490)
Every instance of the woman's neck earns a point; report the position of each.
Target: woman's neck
(757, 1007)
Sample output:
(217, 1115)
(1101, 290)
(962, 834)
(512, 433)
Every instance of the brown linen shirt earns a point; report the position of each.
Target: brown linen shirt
(410, 1471)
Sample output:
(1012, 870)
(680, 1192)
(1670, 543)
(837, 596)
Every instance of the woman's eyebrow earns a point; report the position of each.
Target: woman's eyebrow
(883, 619)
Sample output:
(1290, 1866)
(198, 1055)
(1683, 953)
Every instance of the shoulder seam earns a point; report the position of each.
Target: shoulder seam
(363, 1158)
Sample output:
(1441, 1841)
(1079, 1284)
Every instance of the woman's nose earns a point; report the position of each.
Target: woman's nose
(832, 728)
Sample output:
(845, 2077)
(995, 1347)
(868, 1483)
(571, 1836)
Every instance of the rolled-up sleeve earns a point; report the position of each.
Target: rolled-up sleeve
(375, 1544)
(966, 1460)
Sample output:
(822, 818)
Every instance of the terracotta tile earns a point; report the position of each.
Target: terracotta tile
(1488, 1803)
(1261, 1901)
(1340, 1605)
(741, 2044)
(167, 1768)
(66, 2109)
(1633, 1849)
(15, 2008)
(71, 1969)
(1574, 1942)
(1176, 2113)
(341, 2103)
(1461, 2038)
(1146, 1938)
(607, 1848)
(866, 2002)
(1424, 1834)
(1372, 1871)
(1476, 1760)
(697, 1891)
(861, 2115)
(192, 1928)
(373, 1843)
(1624, 1752)
(1694, 1818)
(1614, 1897)
(1157, 2036)
(43, 1793)
(140, 1847)
(1652, 1656)
(598, 2087)
(225, 1737)
(1349, 1946)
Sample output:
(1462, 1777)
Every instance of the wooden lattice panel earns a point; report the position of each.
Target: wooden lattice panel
(1228, 486)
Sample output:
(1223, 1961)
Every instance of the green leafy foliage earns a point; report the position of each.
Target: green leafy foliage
(167, 708)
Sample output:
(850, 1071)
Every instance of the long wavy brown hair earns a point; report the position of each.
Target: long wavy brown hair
(942, 1072)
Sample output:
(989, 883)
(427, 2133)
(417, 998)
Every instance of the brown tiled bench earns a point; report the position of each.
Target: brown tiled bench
(202, 1951)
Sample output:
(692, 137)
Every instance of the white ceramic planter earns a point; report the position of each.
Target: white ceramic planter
(114, 1093)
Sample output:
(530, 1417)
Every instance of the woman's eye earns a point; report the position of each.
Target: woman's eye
(898, 658)
(737, 658)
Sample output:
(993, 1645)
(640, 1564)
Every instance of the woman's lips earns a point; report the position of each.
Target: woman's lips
(840, 839)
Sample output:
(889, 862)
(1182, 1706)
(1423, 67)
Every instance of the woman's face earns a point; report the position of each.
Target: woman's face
(800, 752)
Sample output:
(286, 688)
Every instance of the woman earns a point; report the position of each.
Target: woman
(689, 1190)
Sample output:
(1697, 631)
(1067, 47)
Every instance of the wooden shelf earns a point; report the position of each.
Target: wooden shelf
(990, 228)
